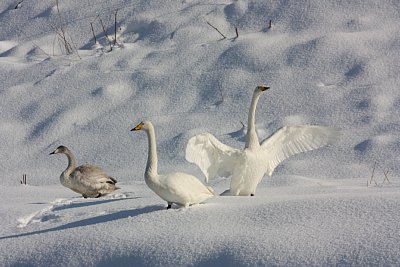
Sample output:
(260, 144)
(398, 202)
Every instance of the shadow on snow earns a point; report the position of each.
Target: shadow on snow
(94, 220)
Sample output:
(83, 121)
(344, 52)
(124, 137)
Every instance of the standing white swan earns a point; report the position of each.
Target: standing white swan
(179, 188)
(248, 166)
(88, 180)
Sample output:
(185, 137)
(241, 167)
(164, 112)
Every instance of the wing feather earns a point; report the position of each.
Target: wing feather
(292, 140)
(93, 177)
(214, 158)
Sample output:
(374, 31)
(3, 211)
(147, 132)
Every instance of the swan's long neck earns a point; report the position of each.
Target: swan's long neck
(151, 168)
(71, 163)
(251, 137)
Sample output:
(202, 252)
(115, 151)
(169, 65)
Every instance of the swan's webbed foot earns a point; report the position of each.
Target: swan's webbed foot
(99, 195)
(85, 196)
(169, 205)
(252, 195)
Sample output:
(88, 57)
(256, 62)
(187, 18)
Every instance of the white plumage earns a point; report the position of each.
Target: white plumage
(179, 188)
(248, 166)
(88, 180)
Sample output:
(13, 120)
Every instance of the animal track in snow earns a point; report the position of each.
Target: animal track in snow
(44, 214)
(50, 213)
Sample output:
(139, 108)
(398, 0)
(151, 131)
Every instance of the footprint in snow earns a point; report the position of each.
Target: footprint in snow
(50, 213)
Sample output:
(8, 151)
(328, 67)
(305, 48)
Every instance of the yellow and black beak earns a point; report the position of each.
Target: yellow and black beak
(138, 127)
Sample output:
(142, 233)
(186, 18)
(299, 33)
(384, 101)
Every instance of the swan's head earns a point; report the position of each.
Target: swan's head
(261, 88)
(60, 149)
(144, 125)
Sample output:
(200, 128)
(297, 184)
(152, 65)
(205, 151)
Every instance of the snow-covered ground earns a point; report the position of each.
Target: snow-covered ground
(327, 63)
(307, 223)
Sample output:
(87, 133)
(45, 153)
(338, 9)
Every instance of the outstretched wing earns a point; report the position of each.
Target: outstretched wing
(291, 140)
(213, 158)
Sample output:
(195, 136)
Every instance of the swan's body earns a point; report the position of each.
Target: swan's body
(88, 180)
(179, 188)
(248, 166)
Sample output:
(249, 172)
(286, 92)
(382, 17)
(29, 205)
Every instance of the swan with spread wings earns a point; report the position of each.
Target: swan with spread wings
(249, 165)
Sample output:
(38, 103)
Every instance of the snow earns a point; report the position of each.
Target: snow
(327, 63)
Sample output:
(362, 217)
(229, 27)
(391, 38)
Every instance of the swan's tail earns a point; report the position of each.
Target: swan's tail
(211, 190)
(226, 193)
(112, 180)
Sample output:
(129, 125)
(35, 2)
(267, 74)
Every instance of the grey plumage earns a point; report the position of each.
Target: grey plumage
(88, 180)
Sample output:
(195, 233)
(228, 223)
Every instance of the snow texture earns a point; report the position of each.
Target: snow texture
(331, 63)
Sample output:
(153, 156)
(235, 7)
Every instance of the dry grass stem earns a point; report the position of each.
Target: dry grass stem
(220, 91)
(115, 27)
(386, 177)
(94, 35)
(215, 28)
(62, 35)
(105, 33)
(23, 181)
(372, 176)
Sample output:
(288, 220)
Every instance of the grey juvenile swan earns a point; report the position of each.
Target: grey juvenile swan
(249, 165)
(88, 180)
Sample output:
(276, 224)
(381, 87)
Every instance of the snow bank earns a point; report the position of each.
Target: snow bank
(327, 63)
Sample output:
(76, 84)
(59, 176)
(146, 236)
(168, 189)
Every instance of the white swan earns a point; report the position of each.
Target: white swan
(88, 180)
(248, 166)
(179, 188)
